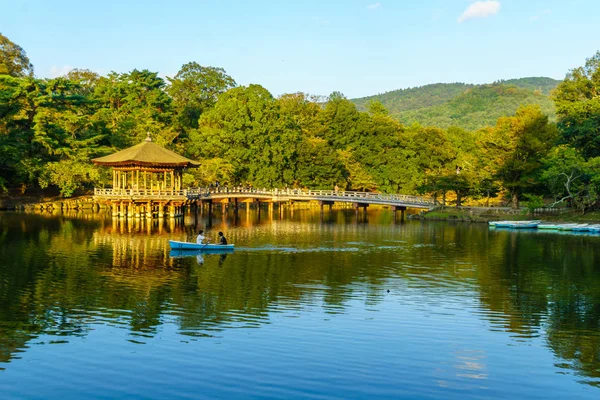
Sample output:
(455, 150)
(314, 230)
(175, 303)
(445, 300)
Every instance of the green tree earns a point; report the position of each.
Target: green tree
(340, 120)
(527, 138)
(85, 81)
(577, 101)
(195, 90)
(246, 128)
(133, 105)
(13, 60)
(571, 178)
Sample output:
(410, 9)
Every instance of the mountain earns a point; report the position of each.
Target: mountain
(465, 105)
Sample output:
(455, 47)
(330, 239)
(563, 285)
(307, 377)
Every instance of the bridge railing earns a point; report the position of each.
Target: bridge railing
(150, 193)
(307, 193)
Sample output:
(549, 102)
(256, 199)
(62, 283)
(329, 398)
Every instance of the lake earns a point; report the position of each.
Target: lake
(332, 306)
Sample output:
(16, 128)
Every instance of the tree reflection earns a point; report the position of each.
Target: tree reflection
(60, 274)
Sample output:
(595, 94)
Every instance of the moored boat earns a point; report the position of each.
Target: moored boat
(581, 228)
(525, 225)
(594, 228)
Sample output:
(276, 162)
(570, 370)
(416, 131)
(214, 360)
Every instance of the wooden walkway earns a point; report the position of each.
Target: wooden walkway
(324, 196)
(149, 203)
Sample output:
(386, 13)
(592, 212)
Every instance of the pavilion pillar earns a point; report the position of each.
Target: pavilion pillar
(172, 180)
(165, 182)
(145, 187)
(149, 210)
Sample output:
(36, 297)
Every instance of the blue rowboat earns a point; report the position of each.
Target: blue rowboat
(566, 227)
(182, 253)
(531, 225)
(202, 247)
(504, 224)
(581, 228)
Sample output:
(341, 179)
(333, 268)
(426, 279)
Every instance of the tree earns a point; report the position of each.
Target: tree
(247, 129)
(131, 106)
(571, 178)
(577, 101)
(195, 90)
(340, 119)
(85, 79)
(13, 60)
(377, 107)
(434, 157)
(526, 139)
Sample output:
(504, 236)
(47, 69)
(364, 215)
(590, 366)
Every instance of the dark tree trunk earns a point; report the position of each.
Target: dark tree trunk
(515, 200)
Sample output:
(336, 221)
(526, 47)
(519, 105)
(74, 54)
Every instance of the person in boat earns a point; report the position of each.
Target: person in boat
(200, 238)
(222, 239)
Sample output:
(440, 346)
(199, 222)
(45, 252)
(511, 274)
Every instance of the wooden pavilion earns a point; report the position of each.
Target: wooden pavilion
(147, 180)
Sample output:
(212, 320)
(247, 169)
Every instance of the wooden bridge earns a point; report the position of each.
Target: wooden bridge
(325, 197)
(235, 195)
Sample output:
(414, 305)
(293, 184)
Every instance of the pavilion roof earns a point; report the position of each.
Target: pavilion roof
(146, 154)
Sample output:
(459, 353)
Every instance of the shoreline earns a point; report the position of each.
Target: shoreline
(488, 214)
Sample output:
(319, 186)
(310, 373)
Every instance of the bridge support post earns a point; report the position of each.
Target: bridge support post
(364, 206)
(402, 210)
(323, 203)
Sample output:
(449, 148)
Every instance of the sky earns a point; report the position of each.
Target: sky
(359, 48)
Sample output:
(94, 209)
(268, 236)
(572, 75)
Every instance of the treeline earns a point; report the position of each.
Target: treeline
(51, 128)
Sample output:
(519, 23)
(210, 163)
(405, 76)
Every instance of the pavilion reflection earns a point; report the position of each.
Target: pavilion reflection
(63, 272)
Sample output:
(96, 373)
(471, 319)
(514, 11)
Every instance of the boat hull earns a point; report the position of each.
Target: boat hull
(183, 253)
(202, 247)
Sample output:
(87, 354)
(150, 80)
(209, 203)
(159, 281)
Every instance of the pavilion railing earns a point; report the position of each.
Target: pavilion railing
(150, 193)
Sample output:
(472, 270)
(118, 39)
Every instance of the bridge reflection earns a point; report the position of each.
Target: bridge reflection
(62, 274)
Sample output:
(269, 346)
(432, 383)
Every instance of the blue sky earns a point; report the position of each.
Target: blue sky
(356, 47)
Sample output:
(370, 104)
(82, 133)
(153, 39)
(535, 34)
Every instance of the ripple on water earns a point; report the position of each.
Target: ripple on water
(362, 309)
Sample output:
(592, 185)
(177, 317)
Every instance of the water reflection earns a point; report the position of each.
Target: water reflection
(62, 275)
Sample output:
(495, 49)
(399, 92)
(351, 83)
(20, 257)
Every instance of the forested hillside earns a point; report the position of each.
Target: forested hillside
(463, 105)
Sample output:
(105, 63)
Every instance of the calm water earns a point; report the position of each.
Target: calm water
(338, 307)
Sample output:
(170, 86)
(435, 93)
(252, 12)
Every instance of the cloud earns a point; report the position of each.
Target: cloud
(55, 71)
(374, 6)
(480, 9)
(534, 17)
